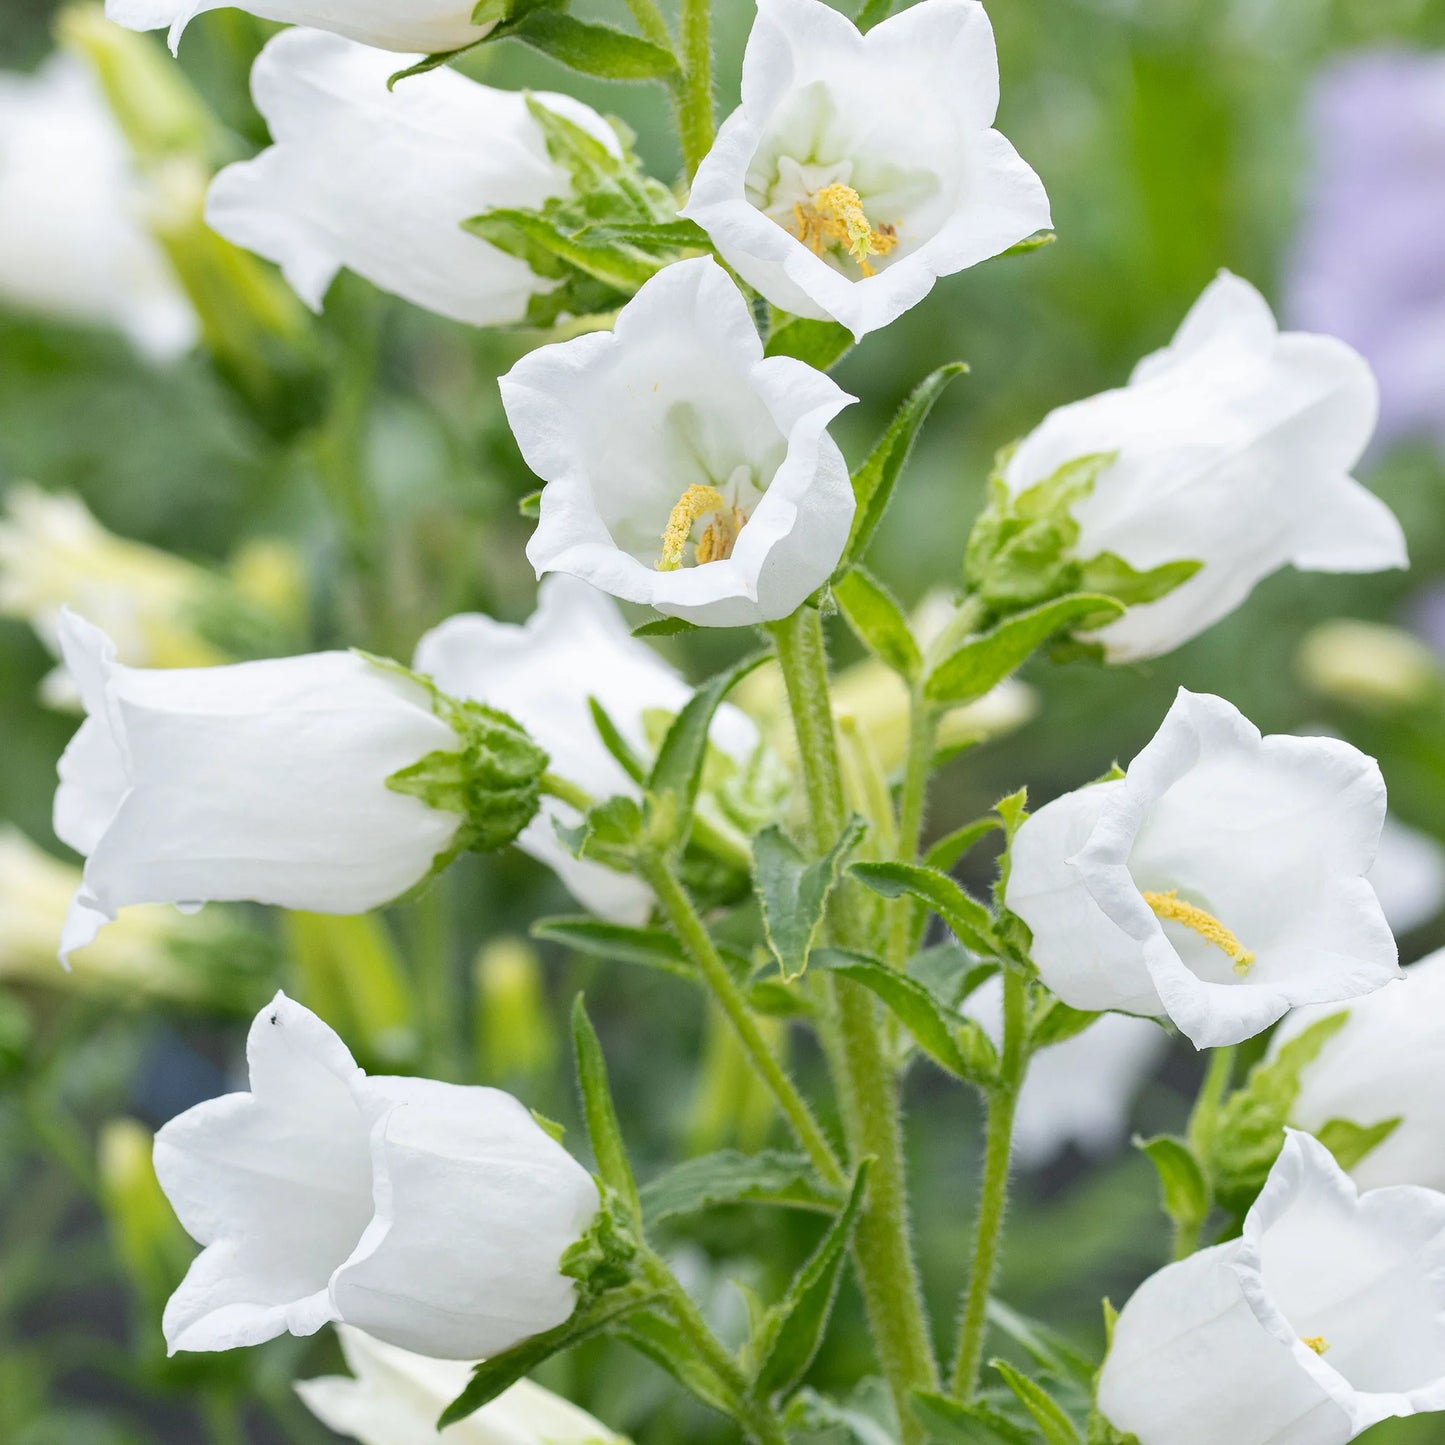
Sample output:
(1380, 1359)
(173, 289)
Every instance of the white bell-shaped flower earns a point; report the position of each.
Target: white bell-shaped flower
(396, 1396)
(264, 781)
(1386, 1062)
(433, 1216)
(1220, 883)
(1326, 1317)
(1233, 447)
(430, 26)
(861, 168)
(684, 470)
(73, 238)
(575, 646)
(379, 181)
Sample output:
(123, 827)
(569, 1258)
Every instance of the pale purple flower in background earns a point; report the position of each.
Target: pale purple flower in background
(1368, 265)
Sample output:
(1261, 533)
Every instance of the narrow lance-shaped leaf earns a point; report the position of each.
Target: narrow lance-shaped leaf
(971, 923)
(594, 49)
(548, 249)
(948, 851)
(1183, 1190)
(612, 739)
(794, 892)
(617, 942)
(600, 1112)
(654, 1335)
(950, 1422)
(1049, 1348)
(1054, 1424)
(730, 1177)
(879, 622)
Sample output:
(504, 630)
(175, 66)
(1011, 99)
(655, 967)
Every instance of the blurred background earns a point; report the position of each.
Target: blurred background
(350, 480)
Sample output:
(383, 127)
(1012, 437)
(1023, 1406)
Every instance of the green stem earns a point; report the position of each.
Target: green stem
(696, 115)
(868, 1087)
(650, 22)
(567, 792)
(993, 1196)
(918, 766)
(678, 907)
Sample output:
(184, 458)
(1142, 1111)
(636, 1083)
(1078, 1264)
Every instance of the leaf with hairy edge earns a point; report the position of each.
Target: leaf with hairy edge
(879, 622)
(948, 852)
(612, 739)
(793, 892)
(594, 49)
(793, 1329)
(549, 250)
(874, 481)
(650, 947)
(655, 1336)
(1060, 1358)
(729, 1177)
(1054, 1425)
(950, 1423)
(978, 667)
(600, 1111)
(679, 235)
(822, 344)
(972, 924)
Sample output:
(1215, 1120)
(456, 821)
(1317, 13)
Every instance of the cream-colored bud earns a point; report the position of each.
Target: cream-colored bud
(1369, 665)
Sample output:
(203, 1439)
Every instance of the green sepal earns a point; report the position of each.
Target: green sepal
(598, 1108)
(1055, 1022)
(604, 1259)
(879, 622)
(1114, 577)
(612, 833)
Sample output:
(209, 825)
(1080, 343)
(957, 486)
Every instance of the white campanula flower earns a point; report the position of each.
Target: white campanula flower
(379, 181)
(1386, 1062)
(433, 1216)
(1326, 1317)
(861, 168)
(684, 469)
(1080, 1092)
(1233, 447)
(74, 244)
(576, 646)
(264, 781)
(396, 1396)
(1220, 883)
(430, 26)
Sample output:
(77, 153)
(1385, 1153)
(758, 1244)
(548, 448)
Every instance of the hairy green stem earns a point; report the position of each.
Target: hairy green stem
(868, 1086)
(696, 113)
(993, 1194)
(917, 768)
(650, 22)
(680, 913)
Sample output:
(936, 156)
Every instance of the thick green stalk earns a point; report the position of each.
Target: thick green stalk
(868, 1087)
(917, 768)
(696, 114)
(678, 908)
(993, 1196)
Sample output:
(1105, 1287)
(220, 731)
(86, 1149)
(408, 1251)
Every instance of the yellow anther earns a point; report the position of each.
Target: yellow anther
(834, 216)
(717, 540)
(1318, 1343)
(1170, 908)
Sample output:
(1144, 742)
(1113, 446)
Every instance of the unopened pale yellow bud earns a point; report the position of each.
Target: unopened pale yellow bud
(515, 1031)
(1369, 665)
(270, 574)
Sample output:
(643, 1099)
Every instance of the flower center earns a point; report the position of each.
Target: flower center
(718, 538)
(833, 216)
(1318, 1343)
(1170, 908)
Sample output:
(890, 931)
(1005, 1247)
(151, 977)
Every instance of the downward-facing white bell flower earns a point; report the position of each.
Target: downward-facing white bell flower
(73, 239)
(396, 1396)
(265, 781)
(1386, 1062)
(1220, 883)
(433, 1216)
(684, 470)
(1326, 1317)
(1233, 447)
(861, 168)
(379, 181)
(575, 646)
(430, 26)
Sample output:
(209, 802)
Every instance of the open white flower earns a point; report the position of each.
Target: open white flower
(1386, 1062)
(430, 26)
(396, 1396)
(684, 470)
(575, 646)
(433, 1216)
(264, 781)
(1078, 1092)
(1234, 448)
(1220, 883)
(73, 240)
(861, 168)
(380, 181)
(1325, 1318)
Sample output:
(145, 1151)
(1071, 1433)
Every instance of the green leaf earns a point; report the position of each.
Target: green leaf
(948, 851)
(612, 739)
(972, 924)
(1057, 1023)
(1049, 1348)
(677, 773)
(611, 834)
(616, 942)
(549, 250)
(530, 506)
(1036, 242)
(793, 1330)
(931, 1026)
(978, 667)
(729, 1177)
(1114, 577)
(874, 12)
(1183, 1190)
(879, 621)
(679, 235)
(656, 1336)
(874, 481)
(794, 892)
(600, 1112)
(664, 627)
(811, 1413)
(822, 344)
(1350, 1142)
(951, 1423)
(1054, 1425)
(425, 65)
(593, 49)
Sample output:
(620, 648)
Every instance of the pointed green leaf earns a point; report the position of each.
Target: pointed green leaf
(1350, 1142)
(1049, 1348)
(873, 13)
(1114, 577)
(1036, 242)
(950, 1422)
(594, 49)
(879, 621)
(650, 947)
(822, 344)
(664, 627)
(874, 481)
(679, 235)
(947, 852)
(1054, 1425)
(548, 249)
(812, 1414)
(794, 892)
(1183, 1190)
(425, 65)
(729, 1177)
(972, 924)
(656, 1336)
(612, 739)
(1057, 1023)
(600, 1112)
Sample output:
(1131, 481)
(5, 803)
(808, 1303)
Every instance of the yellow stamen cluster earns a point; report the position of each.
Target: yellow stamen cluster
(1318, 1343)
(834, 216)
(718, 538)
(1170, 908)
